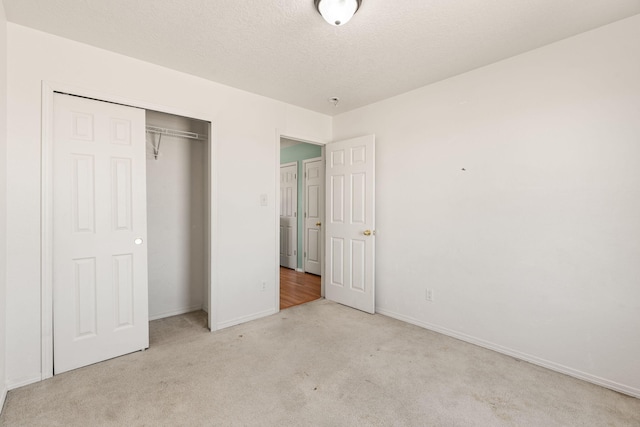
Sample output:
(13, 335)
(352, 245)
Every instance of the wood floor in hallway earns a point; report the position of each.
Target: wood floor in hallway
(297, 288)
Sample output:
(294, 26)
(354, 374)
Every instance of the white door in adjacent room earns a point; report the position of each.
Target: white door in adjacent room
(314, 208)
(350, 223)
(100, 306)
(289, 215)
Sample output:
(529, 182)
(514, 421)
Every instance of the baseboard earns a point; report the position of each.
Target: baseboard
(23, 382)
(622, 388)
(3, 397)
(243, 319)
(175, 312)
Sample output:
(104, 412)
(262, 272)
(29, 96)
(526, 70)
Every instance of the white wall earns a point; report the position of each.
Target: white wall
(3, 186)
(242, 123)
(175, 218)
(534, 250)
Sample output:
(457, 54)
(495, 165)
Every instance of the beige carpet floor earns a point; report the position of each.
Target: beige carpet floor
(319, 364)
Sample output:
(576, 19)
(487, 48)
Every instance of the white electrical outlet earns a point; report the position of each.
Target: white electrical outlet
(263, 286)
(429, 295)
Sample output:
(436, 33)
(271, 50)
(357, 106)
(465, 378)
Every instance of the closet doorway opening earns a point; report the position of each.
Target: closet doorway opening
(101, 156)
(177, 226)
(301, 216)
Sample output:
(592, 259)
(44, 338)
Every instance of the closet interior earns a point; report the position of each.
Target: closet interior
(177, 212)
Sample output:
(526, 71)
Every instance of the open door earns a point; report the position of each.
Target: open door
(100, 306)
(350, 223)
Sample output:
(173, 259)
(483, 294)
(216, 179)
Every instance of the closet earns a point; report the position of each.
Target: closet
(177, 208)
(128, 232)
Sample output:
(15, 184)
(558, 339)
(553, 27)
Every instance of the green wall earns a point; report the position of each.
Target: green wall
(298, 153)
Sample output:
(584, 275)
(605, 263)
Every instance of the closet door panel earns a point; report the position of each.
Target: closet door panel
(100, 301)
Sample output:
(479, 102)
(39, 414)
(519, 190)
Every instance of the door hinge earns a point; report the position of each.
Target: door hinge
(295, 252)
(305, 214)
(295, 214)
(305, 254)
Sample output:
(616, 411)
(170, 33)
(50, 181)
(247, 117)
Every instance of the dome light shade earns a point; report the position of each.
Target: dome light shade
(337, 12)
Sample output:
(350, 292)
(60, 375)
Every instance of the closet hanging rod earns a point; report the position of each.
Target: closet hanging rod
(178, 133)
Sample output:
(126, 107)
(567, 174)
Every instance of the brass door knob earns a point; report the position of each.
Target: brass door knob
(367, 232)
(318, 224)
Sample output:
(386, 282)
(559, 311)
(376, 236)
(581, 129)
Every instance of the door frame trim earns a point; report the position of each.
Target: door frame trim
(46, 206)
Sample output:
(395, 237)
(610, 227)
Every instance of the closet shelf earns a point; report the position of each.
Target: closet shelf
(176, 133)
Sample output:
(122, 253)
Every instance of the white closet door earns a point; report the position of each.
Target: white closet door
(99, 232)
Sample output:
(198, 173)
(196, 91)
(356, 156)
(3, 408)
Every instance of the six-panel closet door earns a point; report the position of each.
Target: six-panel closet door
(100, 306)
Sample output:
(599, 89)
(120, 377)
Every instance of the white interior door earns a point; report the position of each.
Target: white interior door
(314, 208)
(289, 215)
(350, 223)
(99, 232)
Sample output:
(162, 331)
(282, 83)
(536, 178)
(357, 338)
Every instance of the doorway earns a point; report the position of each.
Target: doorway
(348, 235)
(121, 172)
(301, 213)
(176, 214)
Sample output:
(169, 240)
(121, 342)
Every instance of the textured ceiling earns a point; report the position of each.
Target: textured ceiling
(284, 50)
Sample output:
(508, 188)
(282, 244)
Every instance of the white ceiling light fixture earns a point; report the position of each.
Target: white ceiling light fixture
(337, 12)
